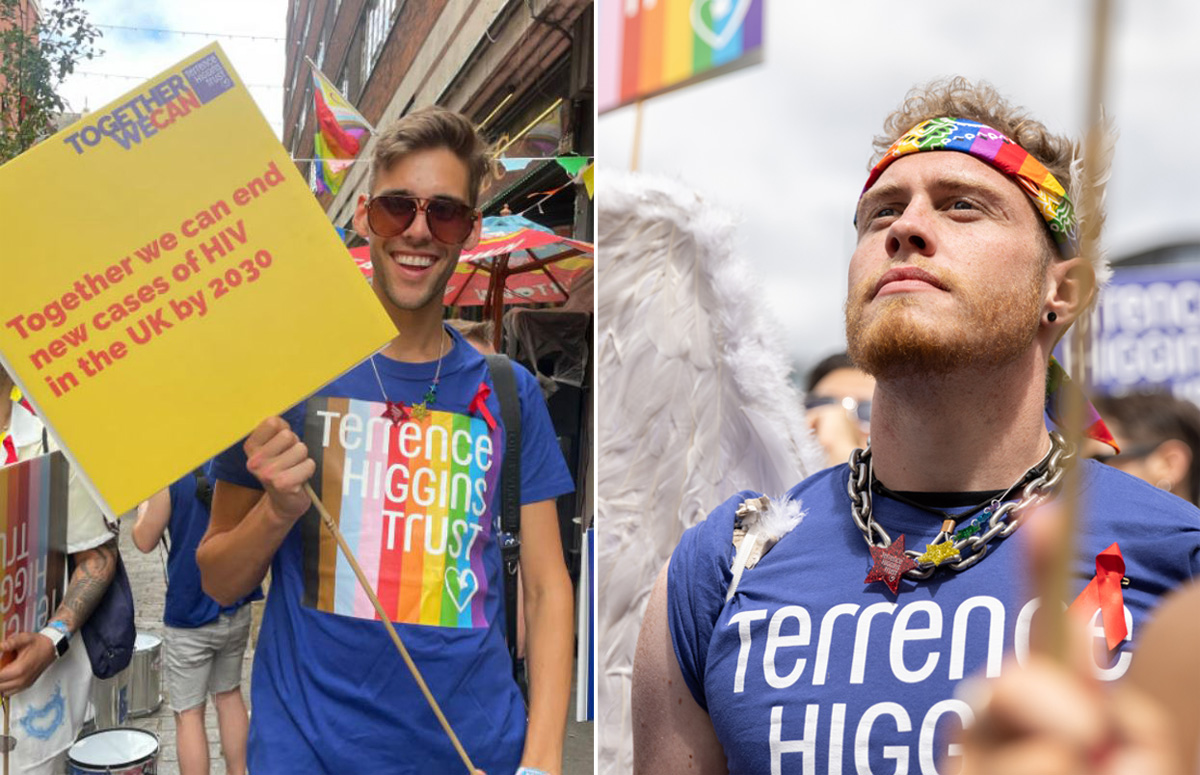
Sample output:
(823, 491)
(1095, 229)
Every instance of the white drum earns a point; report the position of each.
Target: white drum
(110, 700)
(145, 675)
(114, 752)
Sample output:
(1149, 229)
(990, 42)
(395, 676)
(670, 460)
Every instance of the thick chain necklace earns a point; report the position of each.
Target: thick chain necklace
(966, 545)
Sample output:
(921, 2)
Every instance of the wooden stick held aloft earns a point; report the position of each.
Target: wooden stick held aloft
(1058, 581)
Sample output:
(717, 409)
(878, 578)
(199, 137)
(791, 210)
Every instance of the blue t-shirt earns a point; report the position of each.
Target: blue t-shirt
(809, 670)
(186, 604)
(416, 501)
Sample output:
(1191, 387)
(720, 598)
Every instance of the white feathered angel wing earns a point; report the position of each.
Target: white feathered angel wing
(695, 404)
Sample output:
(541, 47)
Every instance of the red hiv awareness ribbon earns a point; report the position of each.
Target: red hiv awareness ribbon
(1104, 592)
(10, 449)
(479, 405)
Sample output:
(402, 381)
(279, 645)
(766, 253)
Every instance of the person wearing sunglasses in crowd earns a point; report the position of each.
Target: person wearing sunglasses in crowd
(837, 405)
(330, 692)
(826, 630)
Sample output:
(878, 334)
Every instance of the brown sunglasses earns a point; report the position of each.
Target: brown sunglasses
(449, 222)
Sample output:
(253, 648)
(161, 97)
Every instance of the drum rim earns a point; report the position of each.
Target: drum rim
(131, 763)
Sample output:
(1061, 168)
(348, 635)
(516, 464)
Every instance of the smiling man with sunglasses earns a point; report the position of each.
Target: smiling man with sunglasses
(826, 630)
(413, 440)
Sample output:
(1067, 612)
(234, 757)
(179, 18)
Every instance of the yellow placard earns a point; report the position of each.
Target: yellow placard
(168, 281)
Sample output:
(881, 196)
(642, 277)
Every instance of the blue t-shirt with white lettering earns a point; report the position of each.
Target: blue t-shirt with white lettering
(810, 670)
(416, 499)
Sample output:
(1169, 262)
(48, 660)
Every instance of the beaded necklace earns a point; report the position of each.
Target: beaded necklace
(398, 410)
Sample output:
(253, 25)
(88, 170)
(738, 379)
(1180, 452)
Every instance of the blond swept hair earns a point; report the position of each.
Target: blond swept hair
(435, 127)
(473, 330)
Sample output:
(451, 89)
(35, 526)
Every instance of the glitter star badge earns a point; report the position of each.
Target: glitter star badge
(890, 564)
(938, 553)
(420, 411)
(396, 411)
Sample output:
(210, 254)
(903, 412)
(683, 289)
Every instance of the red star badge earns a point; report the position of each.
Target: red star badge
(890, 564)
(396, 411)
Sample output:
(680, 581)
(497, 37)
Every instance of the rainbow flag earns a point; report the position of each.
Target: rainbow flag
(413, 501)
(33, 535)
(650, 47)
(341, 134)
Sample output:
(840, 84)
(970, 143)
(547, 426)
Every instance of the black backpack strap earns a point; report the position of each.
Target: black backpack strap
(204, 488)
(505, 383)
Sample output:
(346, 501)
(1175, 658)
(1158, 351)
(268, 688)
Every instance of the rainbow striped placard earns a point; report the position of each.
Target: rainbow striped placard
(413, 501)
(33, 535)
(650, 46)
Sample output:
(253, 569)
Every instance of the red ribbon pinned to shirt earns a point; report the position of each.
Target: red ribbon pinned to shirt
(479, 405)
(1104, 592)
(10, 449)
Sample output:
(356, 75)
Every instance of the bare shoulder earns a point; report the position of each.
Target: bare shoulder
(671, 732)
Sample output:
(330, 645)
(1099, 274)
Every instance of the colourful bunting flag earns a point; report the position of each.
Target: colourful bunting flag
(572, 164)
(589, 178)
(515, 163)
(341, 134)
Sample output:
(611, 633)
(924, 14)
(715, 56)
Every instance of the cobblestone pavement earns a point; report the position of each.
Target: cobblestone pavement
(149, 589)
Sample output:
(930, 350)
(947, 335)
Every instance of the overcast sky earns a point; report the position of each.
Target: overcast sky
(785, 143)
(142, 54)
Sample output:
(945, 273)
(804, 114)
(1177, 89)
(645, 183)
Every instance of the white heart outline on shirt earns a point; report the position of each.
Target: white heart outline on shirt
(459, 583)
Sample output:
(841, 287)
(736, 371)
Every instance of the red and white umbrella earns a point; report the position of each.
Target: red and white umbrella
(532, 265)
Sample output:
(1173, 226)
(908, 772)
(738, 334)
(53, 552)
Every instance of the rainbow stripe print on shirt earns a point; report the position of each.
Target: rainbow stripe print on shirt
(33, 533)
(413, 501)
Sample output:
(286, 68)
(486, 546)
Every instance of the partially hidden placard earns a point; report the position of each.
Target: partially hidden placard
(33, 536)
(648, 47)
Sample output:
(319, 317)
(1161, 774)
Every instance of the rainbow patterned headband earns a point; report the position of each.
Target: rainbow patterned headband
(998, 150)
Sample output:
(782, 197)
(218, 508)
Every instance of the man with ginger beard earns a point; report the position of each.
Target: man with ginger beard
(826, 630)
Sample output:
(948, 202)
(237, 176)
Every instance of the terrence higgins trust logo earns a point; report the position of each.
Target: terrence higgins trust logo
(157, 108)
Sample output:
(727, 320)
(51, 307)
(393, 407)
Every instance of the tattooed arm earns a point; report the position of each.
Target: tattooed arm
(30, 652)
(94, 570)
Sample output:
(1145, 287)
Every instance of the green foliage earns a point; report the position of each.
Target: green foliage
(35, 58)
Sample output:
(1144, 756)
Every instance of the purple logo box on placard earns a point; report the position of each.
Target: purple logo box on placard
(208, 78)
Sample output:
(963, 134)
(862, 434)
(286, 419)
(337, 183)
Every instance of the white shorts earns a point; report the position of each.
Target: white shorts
(205, 660)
